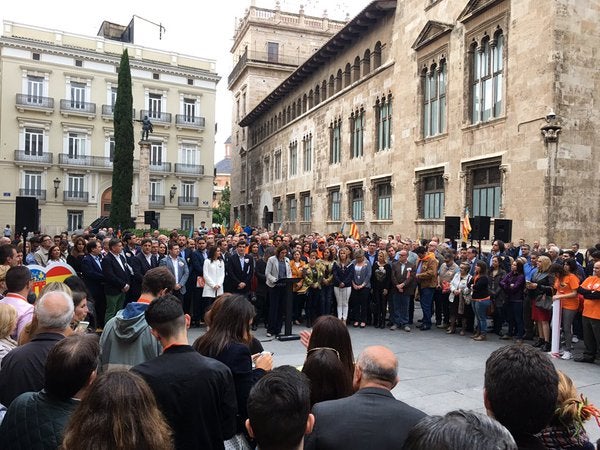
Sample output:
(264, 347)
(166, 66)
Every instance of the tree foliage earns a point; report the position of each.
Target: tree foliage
(221, 212)
(122, 180)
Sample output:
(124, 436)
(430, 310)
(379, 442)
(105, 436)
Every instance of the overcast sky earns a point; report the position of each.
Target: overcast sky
(200, 28)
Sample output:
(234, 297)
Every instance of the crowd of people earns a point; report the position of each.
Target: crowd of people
(141, 294)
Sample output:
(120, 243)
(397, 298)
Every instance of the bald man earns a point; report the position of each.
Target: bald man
(372, 417)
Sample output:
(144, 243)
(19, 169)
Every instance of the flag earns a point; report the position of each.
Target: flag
(466, 226)
(280, 229)
(343, 226)
(237, 227)
(354, 231)
(119, 231)
(223, 230)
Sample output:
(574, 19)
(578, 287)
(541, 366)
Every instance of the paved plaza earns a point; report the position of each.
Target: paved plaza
(438, 372)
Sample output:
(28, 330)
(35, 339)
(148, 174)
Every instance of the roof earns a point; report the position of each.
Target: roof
(223, 166)
(364, 20)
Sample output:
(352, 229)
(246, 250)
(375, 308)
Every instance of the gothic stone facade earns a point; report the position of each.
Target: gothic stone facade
(417, 110)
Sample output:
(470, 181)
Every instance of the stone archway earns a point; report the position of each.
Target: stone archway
(105, 202)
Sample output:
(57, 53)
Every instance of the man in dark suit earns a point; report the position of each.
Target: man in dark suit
(239, 270)
(145, 256)
(196, 265)
(93, 277)
(196, 394)
(403, 281)
(178, 267)
(372, 417)
(117, 275)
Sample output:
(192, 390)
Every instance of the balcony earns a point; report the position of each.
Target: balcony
(187, 202)
(160, 167)
(156, 201)
(40, 194)
(97, 162)
(189, 169)
(34, 103)
(254, 57)
(78, 197)
(108, 112)
(156, 117)
(29, 157)
(77, 108)
(191, 122)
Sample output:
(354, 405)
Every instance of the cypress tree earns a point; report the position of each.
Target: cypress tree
(122, 179)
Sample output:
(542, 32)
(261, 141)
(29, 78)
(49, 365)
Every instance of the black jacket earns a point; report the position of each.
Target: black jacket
(115, 277)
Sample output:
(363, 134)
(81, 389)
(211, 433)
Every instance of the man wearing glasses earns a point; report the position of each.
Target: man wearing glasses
(41, 256)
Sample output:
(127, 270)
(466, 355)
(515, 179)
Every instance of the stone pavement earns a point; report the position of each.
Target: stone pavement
(438, 372)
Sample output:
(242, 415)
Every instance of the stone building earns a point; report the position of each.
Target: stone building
(268, 45)
(56, 126)
(416, 110)
(222, 174)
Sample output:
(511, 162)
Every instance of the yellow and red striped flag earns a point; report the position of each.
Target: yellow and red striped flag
(280, 229)
(353, 233)
(466, 226)
(237, 227)
(223, 230)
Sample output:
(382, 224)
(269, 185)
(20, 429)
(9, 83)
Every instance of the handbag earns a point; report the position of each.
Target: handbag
(200, 283)
(467, 295)
(542, 301)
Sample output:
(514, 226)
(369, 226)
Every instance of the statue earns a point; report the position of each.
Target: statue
(146, 127)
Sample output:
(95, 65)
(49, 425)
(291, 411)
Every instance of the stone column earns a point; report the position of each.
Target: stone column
(144, 183)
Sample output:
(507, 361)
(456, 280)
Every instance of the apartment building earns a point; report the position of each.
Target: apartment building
(58, 90)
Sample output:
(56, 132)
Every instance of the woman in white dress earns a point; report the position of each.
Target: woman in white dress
(214, 275)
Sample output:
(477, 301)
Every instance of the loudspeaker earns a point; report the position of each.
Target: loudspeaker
(503, 230)
(452, 227)
(480, 228)
(26, 214)
(149, 217)
(269, 217)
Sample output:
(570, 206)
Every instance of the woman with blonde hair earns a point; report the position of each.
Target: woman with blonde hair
(8, 322)
(119, 412)
(565, 430)
(539, 290)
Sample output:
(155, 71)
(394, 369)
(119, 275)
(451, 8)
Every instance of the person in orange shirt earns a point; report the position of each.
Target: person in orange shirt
(565, 285)
(590, 289)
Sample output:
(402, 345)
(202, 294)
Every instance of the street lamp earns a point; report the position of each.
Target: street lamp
(172, 192)
(56, 186)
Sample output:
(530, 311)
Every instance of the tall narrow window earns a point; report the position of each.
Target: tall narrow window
(111, 149)
(187, 222)
(278, 210)
(277, 165)
(156, 154)
(77, 95)
(35, 89)
(306, 207)
(356, 202)
(75, 186)
(272, 52)
(154, 106)
(187, 191)
(433, 197)
(293, 158)
(267, 170)
(383, 209)
(76, 145)
(434, 100)
(335, 203)
(487, 71)
(383, 110)
(292, 207)
(189, 110)
(33, 183)
(113, 96)
(74, 220)
(307, 153)
(357, 125)
(155, 190)
(34, 141)
(487, 191)
(335, 130)
(189, 155)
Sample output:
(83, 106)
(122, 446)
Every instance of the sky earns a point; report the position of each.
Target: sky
(203, 28)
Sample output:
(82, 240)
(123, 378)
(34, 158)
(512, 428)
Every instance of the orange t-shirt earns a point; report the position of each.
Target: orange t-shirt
(591, 308)
(567, 285)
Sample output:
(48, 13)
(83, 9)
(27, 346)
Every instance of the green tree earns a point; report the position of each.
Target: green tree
(122, 180)
(221, 212)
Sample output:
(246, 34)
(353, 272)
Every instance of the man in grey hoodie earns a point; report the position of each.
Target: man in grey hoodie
(126, 340)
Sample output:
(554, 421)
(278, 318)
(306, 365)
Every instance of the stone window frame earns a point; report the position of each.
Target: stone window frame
(335, 146)
(330, 191)
(306, 205)
(421, 178)
(383, 122)
(376, 183)
(431, 69)
(357, 122)
(353, 188)
(467, 175)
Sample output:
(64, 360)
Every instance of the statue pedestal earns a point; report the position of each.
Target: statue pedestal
(144, 183)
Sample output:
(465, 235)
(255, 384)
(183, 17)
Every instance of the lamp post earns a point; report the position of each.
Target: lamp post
(172, 192)
(56, 186)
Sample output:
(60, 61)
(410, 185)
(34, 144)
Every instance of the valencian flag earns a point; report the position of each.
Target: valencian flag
(354, 231)
(237, 227)
(223, 230)
(466, 226)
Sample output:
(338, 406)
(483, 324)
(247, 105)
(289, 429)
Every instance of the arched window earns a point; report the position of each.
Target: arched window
(356, 69)
(331, 87)
(317, 95)
(366, 62)
(298, 107)
(434, 99)
(311, 99)
(289, 114)
(304, 103)
(377, 55)
(487, 73)
(338, 81)
(348, 75)
(279, 122)
(324, 90)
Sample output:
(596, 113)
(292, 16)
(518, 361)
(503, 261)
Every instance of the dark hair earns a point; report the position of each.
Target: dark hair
(113, 241)
(483, 267)
(172, 244)
(278, 408)
(51, 249)
(420, 250)
(157, 279)
(6, 251)
(458, 430)
(329, 331)
(327, 375)
(78, 289)
(520, 269)
(119, 412)
(572, 265)
(279, 250)
(212, 251)
(17, 278)
(91, 245)
(230, 323)
(70, 364)
(521, 387)
(165, 315)
(558, 269)
(145, 241)
(501, 245)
